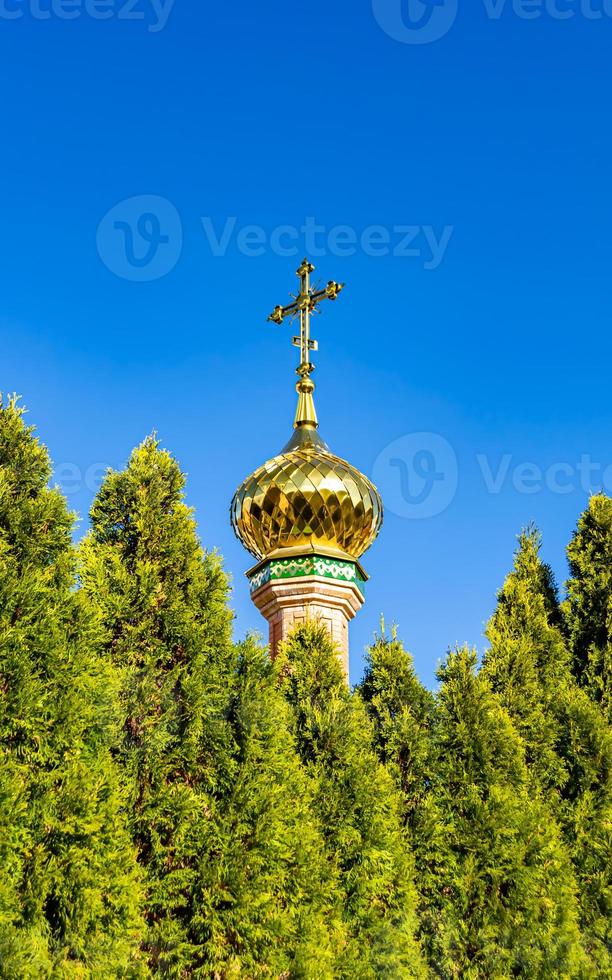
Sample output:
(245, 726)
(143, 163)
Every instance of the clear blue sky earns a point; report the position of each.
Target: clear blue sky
(496, 342)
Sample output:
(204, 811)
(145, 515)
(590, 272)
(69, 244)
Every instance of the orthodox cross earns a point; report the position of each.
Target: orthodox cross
(305, 303)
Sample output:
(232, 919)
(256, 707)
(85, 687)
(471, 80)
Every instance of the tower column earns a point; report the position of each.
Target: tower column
(315, 588)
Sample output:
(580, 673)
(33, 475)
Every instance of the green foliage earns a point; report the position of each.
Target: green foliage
(69, 889)
(496, 893)
(358, 808)
(220, 806)
(268, 889)
(567, 741)
(513, 907)
(403, 713)
(528, 661)
(588, 609)
(174, 805)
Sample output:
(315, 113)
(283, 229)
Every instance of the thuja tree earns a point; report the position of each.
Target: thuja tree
(511, 908)
(268, 892)
(567, 741)
(488, 857)
(358, 807)
(219, 808)
(588, 609)
(69, 889)
(527, 662)
(403, 714)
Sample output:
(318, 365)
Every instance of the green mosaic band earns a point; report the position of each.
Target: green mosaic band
(302, 566)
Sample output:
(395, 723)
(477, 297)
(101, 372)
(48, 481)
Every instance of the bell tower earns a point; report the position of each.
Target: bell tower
(307, 515)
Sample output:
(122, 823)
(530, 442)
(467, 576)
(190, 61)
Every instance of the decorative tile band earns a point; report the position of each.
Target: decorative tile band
(301, 566)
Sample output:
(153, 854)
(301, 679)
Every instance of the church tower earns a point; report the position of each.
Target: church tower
(306, 515)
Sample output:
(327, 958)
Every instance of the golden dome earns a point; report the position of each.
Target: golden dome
(306, 499)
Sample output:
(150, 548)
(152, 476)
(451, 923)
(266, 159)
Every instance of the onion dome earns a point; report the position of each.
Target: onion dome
(306, 499)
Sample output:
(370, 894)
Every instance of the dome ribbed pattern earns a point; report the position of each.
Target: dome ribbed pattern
(306, 498)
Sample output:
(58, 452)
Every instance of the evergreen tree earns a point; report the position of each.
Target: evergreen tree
(567, 741)
(269, 886)
(512, 909)
(358, 807)
(69, 887)
(220, 809)
(528, 663)
(588, 609)
(173, 803)
(403, 713)
(471, 820)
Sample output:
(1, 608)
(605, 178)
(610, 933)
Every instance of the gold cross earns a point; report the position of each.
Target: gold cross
(305, 303)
